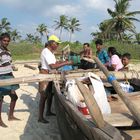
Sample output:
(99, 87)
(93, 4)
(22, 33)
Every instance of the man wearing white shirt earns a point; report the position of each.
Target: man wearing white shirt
(48, 64)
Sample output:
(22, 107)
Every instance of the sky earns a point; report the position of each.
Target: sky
(26, 15)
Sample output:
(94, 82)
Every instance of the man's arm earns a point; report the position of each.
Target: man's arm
(60, 64)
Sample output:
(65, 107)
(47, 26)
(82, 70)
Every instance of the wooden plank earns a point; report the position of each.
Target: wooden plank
(119, 107)
(133, 134)
(30, 67)
(92, 105)
(120, 119)
(131, 106)
(96, 114)
(51, 77)
(24, 62)
(30, 79)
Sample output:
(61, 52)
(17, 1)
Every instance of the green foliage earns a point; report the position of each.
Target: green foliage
(120, 23)
(42, 28)
(61, 24)
(24, 50)
(4, 25)
(75, 47)
(133, 49)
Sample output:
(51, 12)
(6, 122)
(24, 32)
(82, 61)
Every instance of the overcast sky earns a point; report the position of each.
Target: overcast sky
(26, 15)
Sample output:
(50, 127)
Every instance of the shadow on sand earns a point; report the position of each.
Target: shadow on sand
(34, 130)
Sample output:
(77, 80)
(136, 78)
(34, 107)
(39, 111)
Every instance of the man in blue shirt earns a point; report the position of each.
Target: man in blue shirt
(101, 53)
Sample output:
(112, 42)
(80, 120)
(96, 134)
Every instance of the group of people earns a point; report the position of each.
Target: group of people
(110, 58)
(49, 64)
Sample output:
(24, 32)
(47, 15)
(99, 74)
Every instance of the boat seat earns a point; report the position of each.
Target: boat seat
(133, 134)
(120, 119)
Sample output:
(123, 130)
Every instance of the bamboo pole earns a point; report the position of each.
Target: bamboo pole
(131, 106)
(23, 62)
(68, 75)
(92, 105)
(30, 67)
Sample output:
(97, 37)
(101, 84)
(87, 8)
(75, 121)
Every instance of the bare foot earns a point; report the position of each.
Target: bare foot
(12, 118)
(2, 124)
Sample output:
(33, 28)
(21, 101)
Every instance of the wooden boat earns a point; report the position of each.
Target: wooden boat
(121, 124)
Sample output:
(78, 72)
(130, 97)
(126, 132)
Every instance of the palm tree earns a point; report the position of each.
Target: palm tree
(61, 24)
(102, 34)
(73, 26)
(137, 36)
(4, 25)
(30, 38)
(41, 29)
(96, 35)
(36, 39)
(121, 19)
(15, 35)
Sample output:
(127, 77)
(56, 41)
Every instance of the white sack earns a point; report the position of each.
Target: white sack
(74, 95)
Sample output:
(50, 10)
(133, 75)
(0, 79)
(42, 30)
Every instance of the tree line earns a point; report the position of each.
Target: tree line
(71, 25)
(120, 26)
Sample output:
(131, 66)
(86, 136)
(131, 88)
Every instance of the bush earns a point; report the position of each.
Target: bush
(25, 50)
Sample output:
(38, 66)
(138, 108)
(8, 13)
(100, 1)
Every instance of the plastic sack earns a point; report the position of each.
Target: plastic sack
(100, 93)
(127, 87)
(74, 95)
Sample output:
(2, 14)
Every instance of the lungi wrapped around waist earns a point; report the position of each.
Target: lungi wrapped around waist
(9, 87)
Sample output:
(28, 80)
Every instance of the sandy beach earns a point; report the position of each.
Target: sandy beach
(27, 110)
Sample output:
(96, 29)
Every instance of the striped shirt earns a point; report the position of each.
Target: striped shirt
(5, 61)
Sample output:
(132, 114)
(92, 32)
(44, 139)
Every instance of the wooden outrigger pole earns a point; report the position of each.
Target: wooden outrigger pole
(130, 105)
(68, 75)
(96, 114)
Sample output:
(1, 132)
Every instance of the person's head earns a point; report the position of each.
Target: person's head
(86, 46)
(98, 44)
(112, 51)
(4, 39)
(126, 57)
(53, 42)
(46, 44)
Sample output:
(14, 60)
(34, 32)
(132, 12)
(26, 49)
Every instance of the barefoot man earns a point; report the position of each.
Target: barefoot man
(48, 64)
(6, 73)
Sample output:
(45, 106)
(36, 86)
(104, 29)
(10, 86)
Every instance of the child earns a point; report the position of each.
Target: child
(126, 57)
(115, 62)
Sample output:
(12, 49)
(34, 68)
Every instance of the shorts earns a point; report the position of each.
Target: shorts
(45, 87)
(6, 90)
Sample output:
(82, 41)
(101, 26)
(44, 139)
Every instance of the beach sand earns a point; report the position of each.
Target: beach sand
(27, 110)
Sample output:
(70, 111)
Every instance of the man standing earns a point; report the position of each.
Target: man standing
(48, 64)
(6, 73)
(101, 53)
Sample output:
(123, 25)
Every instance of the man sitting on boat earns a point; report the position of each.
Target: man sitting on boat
(86, 53)
(101, 52)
